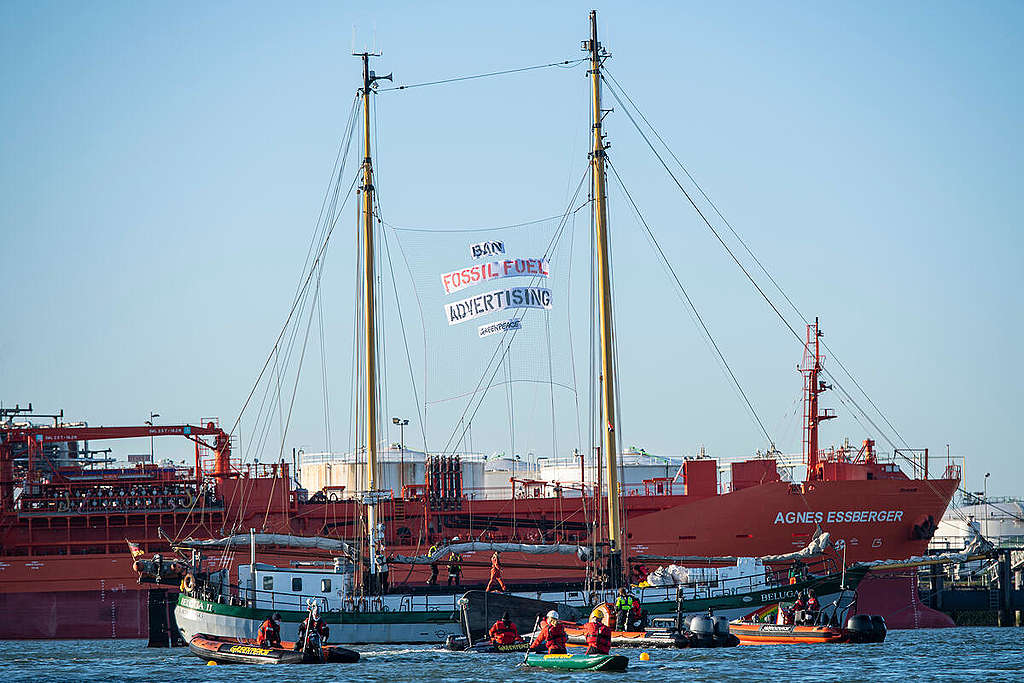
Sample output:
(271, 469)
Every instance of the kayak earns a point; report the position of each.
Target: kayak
(243, 651)
(578, 662)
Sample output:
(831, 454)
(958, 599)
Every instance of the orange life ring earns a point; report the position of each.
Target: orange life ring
(188, 584)
(604, 610)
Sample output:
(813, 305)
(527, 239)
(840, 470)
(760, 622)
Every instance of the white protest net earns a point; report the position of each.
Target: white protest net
(497, 372)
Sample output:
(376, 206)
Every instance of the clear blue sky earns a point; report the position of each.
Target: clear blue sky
(161, 167)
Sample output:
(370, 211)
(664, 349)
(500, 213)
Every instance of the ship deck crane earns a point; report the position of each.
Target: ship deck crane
(33, 439)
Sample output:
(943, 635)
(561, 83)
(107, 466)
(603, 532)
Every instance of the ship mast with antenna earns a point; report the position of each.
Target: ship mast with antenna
(609, 444)
(371, 495)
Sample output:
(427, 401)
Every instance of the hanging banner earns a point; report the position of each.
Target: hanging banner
(498, 300)
(481, 249)
(500, 326)
(495, 270)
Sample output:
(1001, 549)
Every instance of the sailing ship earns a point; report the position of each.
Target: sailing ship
(64, 520)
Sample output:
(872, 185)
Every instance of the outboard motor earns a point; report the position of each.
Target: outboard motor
(879, 628)
(455, 643)
(723, 638)
(703, 628)
(859, 629)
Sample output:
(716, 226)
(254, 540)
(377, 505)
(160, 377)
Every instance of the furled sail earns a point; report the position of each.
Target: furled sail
(816, 547)
(280, 540)
(581, 552)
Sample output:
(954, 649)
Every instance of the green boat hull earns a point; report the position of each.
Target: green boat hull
(578, 662)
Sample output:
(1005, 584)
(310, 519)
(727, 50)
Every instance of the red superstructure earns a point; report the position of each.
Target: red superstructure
(65, 570)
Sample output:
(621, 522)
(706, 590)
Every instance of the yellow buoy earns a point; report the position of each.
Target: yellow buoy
(211, 663)
(644, 657)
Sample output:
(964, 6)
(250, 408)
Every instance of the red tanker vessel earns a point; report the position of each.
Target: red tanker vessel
(65, 570)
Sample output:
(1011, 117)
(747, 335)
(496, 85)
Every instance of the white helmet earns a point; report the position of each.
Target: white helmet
(553, 615)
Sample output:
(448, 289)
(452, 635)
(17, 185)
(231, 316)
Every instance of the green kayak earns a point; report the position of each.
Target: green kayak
(578, 662)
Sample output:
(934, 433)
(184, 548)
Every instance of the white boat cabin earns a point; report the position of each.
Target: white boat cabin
(289, 588)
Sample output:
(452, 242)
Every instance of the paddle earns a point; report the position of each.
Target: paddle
(526, 657)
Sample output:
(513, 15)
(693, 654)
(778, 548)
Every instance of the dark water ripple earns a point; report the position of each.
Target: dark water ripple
(959, 654)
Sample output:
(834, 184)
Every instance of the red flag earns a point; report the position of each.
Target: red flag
(134, 549)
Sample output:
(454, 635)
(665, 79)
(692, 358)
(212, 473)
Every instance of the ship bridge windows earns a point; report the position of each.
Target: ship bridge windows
(296, 584)
(268, 583)
(325, 585)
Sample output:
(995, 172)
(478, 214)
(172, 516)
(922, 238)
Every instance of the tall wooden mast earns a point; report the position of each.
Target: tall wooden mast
(369, 312)
(609, 444)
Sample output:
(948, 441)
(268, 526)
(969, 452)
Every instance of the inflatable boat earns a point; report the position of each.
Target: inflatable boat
(577, 662)
(702, 631)
(242, 651)
(460, 644)
(751, 633)
(860, 628)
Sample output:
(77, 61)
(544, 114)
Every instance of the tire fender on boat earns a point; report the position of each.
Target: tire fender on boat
(604, 610)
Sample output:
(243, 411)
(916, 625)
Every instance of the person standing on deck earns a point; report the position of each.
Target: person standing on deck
(432, 581)
(455, 569)
(496, 573)
(623, 605)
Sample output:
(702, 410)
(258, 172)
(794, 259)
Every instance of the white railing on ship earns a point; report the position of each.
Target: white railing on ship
(299, 602)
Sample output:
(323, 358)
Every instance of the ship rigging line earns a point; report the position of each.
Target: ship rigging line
(509, 337)
(738, 263)
(668, 265)
(689, 197)
(754, 256)
(401, 321)
(309, 269)
(564, 64)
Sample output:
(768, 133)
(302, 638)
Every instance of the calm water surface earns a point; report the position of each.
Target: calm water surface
(958, 654)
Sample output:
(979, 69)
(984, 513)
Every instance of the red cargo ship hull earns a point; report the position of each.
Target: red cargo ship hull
(85, 587)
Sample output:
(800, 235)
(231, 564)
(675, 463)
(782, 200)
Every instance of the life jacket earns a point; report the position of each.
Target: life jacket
(634, 608)
(798, 605)
(318, 626)
(554, 636)
(269, 634)
(813, 604)
(599, 636)
(622, 604)
(503, 632)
